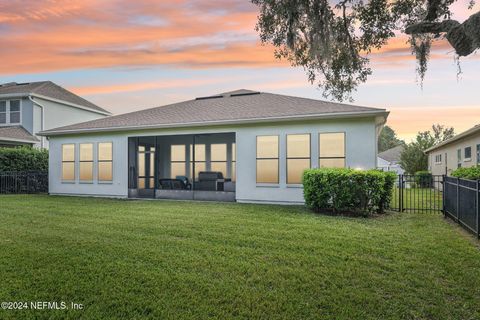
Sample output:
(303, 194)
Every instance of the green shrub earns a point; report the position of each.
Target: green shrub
(347, 190)
(472, 173)
(23, 159)
(423, 179)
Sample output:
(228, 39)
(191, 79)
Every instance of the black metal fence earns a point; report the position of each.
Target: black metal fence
(418, 193)
(462, 199)
(23, 182)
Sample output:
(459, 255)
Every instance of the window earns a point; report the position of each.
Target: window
(68, 162)
(105, 162)
(478, 153)
(218, 158)
(298, 156)
(438, 159)
(86, 162)
(14, 111)
(199, 159)
(332, 150)
(459, 158)
(3, 112)
(177, 160)
(267, 159)
(468, 154)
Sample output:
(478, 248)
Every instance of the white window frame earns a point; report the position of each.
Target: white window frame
(97, 162)
(438, 159)
(7, 113)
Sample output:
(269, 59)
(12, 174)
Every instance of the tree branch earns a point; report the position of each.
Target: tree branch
(463, 37)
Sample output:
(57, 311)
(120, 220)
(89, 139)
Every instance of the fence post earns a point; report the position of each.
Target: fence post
(458, 198)
(444, 184)
(477, 198)
(400, 193)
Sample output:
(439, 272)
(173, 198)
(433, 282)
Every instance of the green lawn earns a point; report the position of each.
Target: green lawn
(194, 260)
(424, 200)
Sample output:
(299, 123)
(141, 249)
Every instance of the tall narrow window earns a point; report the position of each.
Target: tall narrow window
(199, 159)
(177, 160)
(105, 162)
(68, 162)
(332, 150)
(86, 162)
(14, 111)
(459, 158)
(468, 153)
(298, 156)
(478, 153)
(218, 158)
(3, 112)
(267, 159)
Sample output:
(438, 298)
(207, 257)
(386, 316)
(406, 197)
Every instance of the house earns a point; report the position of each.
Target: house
(28, 108)
(463, 150)
(244, 146)
(388, 160)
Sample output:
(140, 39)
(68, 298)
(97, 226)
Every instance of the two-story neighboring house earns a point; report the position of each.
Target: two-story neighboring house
(28, 108)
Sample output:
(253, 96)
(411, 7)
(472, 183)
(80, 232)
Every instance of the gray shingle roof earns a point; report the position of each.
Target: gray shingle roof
(16, 133)
(392, 155)
(229, 107)
(469, 132)
(47, 89)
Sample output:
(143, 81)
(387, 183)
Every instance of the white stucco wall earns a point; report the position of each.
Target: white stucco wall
(58, 115)
(360, 153)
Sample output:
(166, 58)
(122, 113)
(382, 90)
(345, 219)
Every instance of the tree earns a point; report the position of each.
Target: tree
(332, 41)
(388, 139)
(413, 157)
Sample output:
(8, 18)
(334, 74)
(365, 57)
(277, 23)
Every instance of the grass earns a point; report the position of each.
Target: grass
(194, 260)
(422, 199)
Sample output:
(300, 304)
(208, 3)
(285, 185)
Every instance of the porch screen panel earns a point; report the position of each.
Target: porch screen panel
(105, 161)
(86, 162)
(267, 159)
(332, 150)
(218, 158)
(68, 162)
(234, 162)
(298, 156)
(177, 160)
(199, 159)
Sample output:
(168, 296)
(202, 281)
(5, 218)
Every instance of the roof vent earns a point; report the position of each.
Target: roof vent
(8, 84)
(210, 97)
(244, 94)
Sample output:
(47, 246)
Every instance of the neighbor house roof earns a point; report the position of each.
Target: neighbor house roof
(392, 155)
(49, 90)
(240, 106)
(469, 132)
(16, 134)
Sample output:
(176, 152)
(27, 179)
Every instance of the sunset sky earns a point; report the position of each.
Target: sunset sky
(130, 55)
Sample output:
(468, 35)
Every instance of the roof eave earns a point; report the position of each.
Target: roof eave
(379, 112)
(106, 113)
(18, 140)
(459, 136)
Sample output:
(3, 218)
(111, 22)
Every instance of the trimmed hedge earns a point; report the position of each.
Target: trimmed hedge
(346, 190)
(423, 179)
(472, 173)
(23, 159)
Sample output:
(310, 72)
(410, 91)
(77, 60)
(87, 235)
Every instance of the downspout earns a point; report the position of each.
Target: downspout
(42, 119)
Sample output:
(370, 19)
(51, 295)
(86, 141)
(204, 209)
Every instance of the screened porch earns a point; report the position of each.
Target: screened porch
(195, 167)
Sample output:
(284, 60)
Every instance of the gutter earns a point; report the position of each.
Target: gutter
(42, 119)
(17, 140)
(26, 94)
(381, 112)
